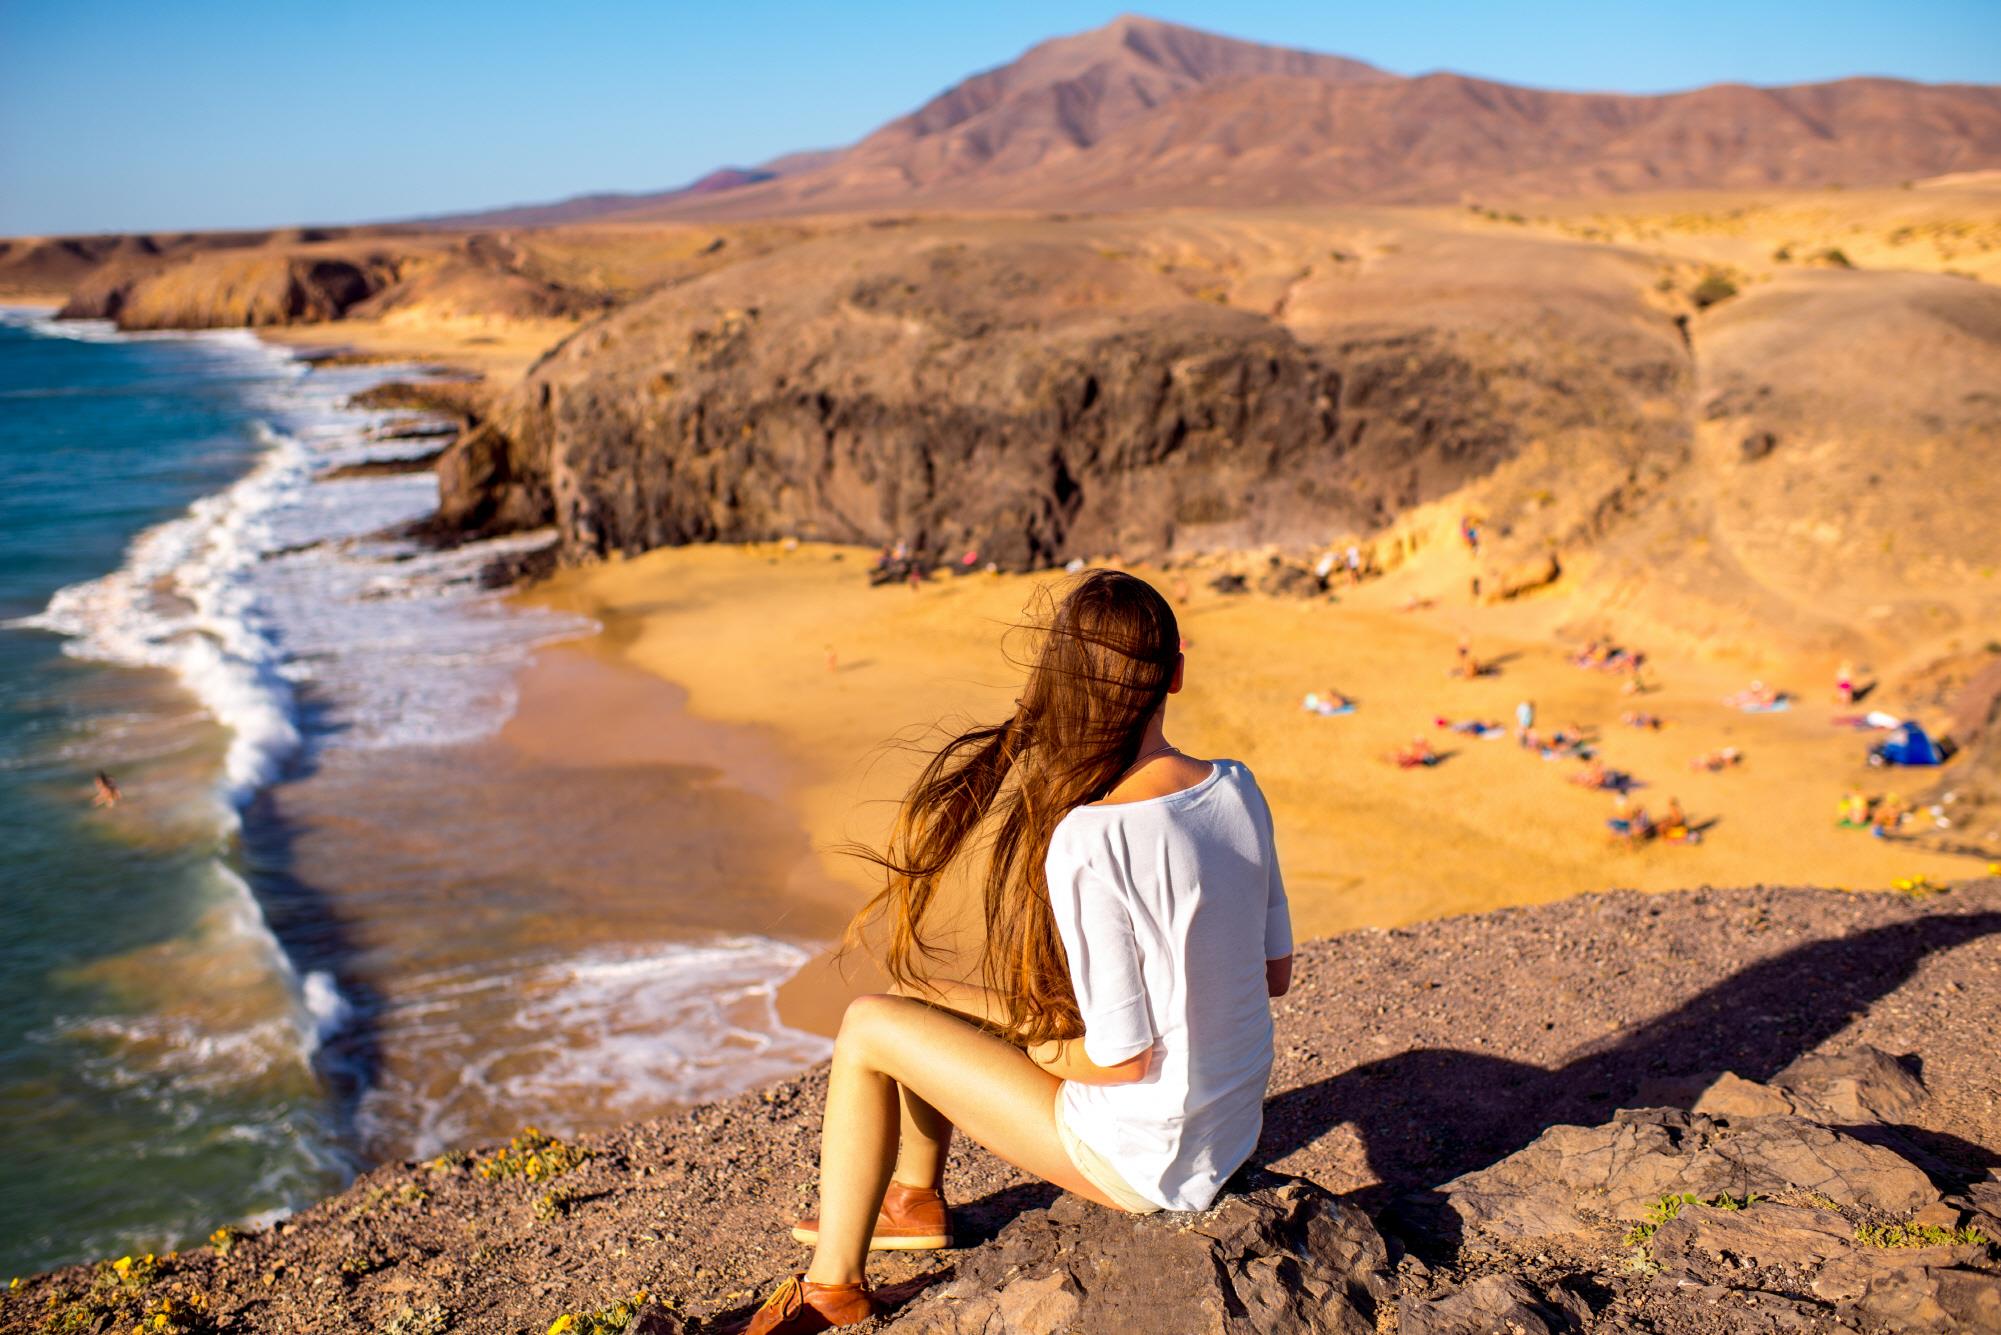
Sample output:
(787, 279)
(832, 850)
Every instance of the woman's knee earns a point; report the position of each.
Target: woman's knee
(867, 1019)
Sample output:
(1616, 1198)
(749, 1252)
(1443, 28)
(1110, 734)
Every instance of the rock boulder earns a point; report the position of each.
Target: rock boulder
(1283, 1256)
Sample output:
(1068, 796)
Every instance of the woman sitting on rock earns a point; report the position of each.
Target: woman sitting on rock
(1136, 927)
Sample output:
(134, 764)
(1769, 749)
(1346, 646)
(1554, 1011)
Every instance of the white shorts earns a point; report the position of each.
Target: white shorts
(1097, 1170)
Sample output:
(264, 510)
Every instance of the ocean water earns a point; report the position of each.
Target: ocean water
(192, 1031)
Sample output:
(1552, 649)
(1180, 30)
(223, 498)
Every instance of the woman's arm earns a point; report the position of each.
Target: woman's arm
(1064, 1058)
(1278, 976)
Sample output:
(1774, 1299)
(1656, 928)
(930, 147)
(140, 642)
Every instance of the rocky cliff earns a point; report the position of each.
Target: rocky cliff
(1040, 390)
(1686, 1114)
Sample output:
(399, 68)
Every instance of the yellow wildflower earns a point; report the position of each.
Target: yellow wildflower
(561, 1324)
(123, 1265)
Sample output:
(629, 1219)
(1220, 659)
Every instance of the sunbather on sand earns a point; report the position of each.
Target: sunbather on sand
(1418, 754)
(1673, 825)
(1853, 811)
(1635, 718)
(1467, 666)
(1327, 702)
(1568, 741)
(1756, 696)
(1722, 758)
(1629, 823)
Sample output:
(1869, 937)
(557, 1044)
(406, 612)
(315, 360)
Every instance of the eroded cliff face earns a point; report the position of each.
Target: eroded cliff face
(1031, 393)
(283, 283)
(231, 289)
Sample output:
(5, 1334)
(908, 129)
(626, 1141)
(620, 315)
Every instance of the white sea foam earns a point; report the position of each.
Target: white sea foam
(276, 596)
(590, 1039)
(327, 1011)
(298, 624)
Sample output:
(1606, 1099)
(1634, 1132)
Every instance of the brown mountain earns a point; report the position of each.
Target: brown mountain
(1143, 113)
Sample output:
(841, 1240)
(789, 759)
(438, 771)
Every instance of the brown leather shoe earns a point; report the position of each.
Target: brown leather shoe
(801, 1307)
(912, 1219)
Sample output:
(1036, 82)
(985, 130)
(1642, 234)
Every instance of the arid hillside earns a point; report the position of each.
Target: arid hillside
(1798, 460)
(1141, 113)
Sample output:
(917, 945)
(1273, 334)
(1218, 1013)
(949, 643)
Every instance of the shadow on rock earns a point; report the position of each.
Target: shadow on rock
(1431, 1114)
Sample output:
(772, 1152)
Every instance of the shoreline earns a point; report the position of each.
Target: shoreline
(1493, 827)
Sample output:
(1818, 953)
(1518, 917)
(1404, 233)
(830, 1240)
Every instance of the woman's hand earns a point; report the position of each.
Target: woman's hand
(1064, 1058)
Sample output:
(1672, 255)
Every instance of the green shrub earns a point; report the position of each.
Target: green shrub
(1713, 288)
(1918, 1235)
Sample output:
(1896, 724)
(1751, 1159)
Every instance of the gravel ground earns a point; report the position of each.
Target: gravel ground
(1405, 1058)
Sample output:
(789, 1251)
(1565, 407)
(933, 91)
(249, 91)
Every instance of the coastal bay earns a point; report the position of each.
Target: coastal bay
(848, 681)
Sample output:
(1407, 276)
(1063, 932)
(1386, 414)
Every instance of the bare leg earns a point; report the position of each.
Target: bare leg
(924, 1136)
(923, 1139)
(984, 1085)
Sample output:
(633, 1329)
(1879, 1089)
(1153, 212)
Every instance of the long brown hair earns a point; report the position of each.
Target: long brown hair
(1107, 655)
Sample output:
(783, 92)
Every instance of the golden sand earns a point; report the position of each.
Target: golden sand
(748, 633)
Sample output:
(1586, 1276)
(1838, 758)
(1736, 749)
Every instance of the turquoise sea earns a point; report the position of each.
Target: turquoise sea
(132, 1105)
(253, 975)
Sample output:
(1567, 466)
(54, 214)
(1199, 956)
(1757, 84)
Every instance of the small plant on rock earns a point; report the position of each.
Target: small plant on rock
(1917, 887)
(535, 1155)
(1669, 1207)
(608, 1320)
(450, 1161)
(1714, 287)
(555, 1203)
(431, 1320)
(1918, 1235)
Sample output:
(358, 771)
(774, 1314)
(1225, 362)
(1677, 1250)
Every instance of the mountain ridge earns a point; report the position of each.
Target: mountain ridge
(1144, 113)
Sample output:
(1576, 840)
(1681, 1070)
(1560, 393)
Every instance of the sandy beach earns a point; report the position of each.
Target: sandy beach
(821, 675)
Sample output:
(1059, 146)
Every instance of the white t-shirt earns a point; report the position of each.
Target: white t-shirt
(1168, 909)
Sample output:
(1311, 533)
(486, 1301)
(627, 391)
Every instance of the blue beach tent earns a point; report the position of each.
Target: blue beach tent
(1908, 745)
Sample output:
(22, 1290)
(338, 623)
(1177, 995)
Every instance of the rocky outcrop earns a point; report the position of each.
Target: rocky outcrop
(1787, 1219)
(1495, 1303)
(1034, 394)
(260, 281)
(1279, 1256)
(230, 289)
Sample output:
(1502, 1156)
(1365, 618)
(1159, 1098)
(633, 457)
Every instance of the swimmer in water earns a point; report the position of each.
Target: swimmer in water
(105, 793)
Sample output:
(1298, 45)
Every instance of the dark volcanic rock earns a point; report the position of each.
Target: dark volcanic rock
(1757, 445)
(1033, 397)
(1282, 1256)
(1290, 581)
(1618, 1170)
(1496, 1303)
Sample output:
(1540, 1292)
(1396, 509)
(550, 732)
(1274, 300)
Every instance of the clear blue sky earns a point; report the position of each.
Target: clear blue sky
(190, 113)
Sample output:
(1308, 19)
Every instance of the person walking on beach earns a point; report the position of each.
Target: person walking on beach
(1136, 929)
